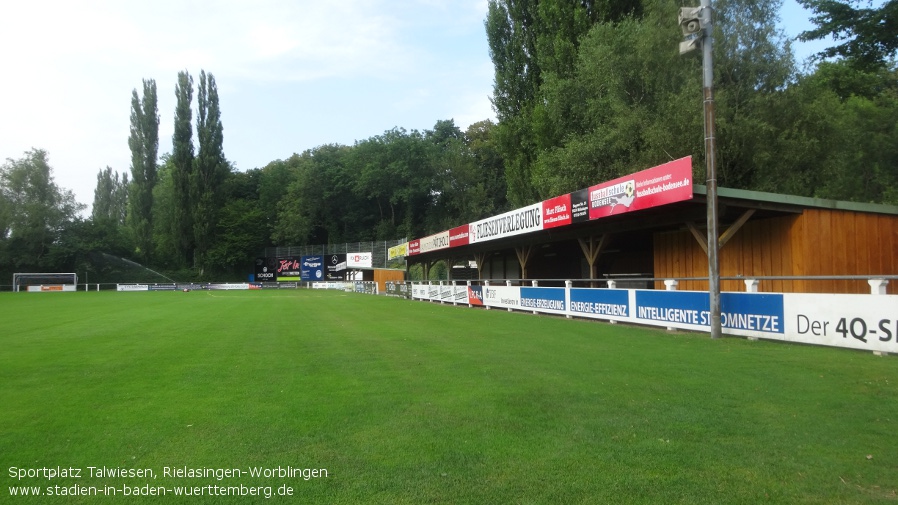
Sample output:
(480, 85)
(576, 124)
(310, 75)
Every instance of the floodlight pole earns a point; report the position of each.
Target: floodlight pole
(711, 171)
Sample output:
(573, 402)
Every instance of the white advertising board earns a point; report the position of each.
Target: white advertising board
(868, 322)
(435, 242)
(358, 260)
(506, 297)
(523, 220)
(132, 287)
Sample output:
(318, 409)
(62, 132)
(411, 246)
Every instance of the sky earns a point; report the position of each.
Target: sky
(291, 74)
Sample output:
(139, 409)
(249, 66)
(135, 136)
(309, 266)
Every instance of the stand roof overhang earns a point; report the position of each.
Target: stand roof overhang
(734, 204)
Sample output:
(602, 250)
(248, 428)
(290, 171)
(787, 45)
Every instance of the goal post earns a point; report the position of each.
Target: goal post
(47, 281)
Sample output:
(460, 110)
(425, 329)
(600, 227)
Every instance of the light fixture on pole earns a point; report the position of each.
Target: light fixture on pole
(696, 23)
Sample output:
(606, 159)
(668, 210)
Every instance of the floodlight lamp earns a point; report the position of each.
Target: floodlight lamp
(690, 20)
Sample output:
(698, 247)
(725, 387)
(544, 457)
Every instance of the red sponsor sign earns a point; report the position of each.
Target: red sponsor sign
(475, 295)
(557, 211)
(458, 236)
(667, 183)
(414, 247)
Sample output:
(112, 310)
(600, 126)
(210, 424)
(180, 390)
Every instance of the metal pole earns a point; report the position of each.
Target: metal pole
(711, 171)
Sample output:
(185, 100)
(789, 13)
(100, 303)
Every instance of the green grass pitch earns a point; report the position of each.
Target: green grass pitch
(415, 402)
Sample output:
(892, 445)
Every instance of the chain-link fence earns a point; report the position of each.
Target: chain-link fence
(378, 250)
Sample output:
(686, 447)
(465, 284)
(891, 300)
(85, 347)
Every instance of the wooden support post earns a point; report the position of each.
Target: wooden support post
(479, 258)
(591, 251)
(523, 253)
(449, 261)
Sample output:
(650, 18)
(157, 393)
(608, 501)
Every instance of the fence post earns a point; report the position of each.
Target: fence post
(567, 298)
(671, 285)
(468, 288)
(486, 285)
(878, 286)
(535, 283)
(612, 284)
(508, 283)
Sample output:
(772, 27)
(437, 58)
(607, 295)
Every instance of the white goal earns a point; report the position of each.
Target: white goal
(44, 282)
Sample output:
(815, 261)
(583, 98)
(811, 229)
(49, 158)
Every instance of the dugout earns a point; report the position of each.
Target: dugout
(792, 241)
(381, 276)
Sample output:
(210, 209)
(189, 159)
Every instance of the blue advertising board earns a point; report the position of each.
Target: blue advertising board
(739, 311)
(600, 302)
(311, 268)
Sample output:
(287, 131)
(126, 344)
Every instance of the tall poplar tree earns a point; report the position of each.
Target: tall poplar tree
(183, 165)
(530, 40)
(210, 167)
(511, 33)
(144, 145)
(110, 198)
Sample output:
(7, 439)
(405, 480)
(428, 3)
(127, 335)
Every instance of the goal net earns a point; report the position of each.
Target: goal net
(44, 282)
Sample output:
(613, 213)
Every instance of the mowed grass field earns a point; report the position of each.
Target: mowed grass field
(413, 402)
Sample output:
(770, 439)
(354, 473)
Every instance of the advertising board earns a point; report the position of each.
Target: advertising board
(524, 220)
(506, 297)
(131, 287)
(867, 322)
(546, 300)
(311, 268)
(397, 251)
(458, 236)
(749, 314)
(163, 287)
(661, 185)
(419, 291)
(265, 270)
(231, 286)
(475, 295)
(610, 304)
(580, 206)
(434, 242)
(557, 212)
(288, 269)
(335, 267)
(359, 260)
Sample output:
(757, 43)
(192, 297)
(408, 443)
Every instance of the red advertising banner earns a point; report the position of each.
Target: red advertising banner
(414, 247)
(667, 183)
(458, 236)
(557, 211)
(475, 295)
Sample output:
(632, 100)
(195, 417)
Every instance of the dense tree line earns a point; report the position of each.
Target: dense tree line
(584, 92)
(588, 91)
